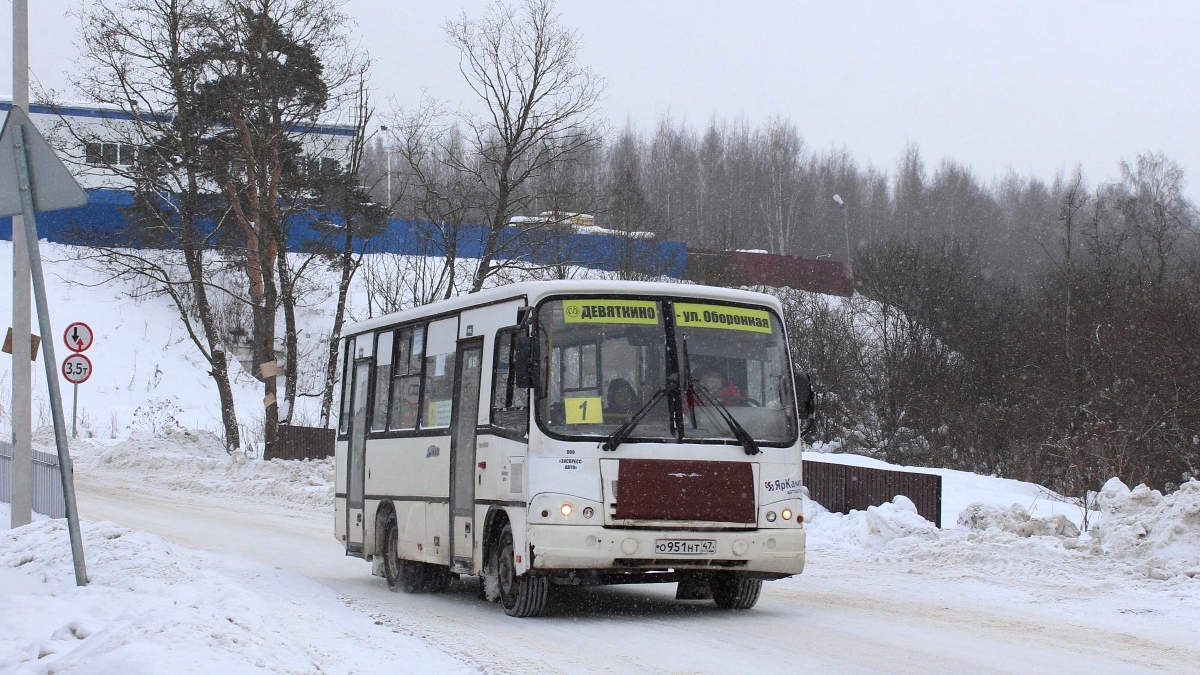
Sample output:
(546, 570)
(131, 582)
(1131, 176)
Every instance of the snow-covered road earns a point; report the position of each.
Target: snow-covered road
(961, 609)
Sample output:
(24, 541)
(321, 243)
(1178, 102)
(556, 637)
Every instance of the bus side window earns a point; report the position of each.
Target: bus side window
(437, 397)
(406, 378)
(383, 366)
(347, 377)
(510, 404)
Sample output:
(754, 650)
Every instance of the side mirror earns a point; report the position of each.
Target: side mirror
(805, 396)
(523, 315)
(525, 362)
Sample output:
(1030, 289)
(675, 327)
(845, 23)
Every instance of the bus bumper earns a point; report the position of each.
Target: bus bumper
(583, 547)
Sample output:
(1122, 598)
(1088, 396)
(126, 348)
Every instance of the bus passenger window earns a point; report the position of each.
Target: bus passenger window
(406, 378)
(344, 416)
(510, 404)
(383, 366)
(438, 401)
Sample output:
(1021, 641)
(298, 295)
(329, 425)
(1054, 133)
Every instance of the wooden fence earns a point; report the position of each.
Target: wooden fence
(303, 443)
(842, 488)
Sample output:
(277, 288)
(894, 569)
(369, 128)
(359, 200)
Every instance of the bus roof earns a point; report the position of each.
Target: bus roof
(534, 291)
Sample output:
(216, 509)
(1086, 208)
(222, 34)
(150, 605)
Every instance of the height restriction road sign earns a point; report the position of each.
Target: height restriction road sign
(78, 337)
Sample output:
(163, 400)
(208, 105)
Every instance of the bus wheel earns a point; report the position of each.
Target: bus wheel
(731, 591)
(524, 595)
(402, 575)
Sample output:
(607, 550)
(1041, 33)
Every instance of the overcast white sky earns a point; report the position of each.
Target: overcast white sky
(1032, 86)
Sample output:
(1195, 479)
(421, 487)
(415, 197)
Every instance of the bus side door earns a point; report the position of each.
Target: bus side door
(465, 416)
(355, 456)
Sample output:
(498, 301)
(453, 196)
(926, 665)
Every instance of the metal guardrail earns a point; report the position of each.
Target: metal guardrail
(842, 488)
(47, 497)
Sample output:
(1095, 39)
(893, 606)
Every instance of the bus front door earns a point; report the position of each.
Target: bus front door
(355, 457)
(465, 416)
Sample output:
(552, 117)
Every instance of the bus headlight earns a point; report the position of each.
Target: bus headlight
(588, 512)
(566, 510)
(770, 516)
(786, 514)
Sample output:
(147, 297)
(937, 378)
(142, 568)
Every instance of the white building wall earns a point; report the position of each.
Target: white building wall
(72, 127)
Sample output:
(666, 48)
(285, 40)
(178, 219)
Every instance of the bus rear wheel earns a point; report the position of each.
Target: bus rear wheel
(731, 591)
(524, 595)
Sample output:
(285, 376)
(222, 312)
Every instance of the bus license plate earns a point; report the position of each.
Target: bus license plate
(685, 546)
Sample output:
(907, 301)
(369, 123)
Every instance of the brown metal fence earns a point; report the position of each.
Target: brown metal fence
(303, 443)
(842, 488)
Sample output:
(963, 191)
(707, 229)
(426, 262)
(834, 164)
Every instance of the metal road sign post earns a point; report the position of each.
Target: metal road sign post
(22, 382)
(78, 337)
(32, 179)
(76, 369)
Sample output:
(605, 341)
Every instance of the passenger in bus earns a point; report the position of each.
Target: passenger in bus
(622, 398)
(713, 381)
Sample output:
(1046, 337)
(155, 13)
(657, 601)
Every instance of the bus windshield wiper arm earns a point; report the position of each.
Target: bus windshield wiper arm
(739, 431)
(622, 433)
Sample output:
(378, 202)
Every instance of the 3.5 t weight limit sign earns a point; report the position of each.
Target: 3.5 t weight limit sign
(76, 368)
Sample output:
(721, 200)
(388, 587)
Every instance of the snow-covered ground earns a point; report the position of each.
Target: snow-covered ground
(229, 564)
(204, 562)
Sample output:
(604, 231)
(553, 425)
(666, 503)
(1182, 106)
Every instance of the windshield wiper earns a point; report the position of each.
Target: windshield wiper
(689, 383)
(739, 431)
(622, 433)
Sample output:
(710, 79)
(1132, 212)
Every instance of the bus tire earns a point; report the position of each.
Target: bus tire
(524, 595)
(731, 591)
(401, 575)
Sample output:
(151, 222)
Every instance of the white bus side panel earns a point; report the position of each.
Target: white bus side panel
(495, 479)
(412, 474)
(500, 480)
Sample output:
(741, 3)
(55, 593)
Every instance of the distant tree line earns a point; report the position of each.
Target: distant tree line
(731, 186)
(1047, 331)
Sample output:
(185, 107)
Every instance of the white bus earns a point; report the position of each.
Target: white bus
(574, 432)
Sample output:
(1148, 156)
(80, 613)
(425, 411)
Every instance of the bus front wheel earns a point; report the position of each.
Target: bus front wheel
(524, 595)
(731, 591)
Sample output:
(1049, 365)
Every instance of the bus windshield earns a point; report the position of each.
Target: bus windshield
(604, 359)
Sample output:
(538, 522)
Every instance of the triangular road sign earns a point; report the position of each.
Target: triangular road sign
(53, 186)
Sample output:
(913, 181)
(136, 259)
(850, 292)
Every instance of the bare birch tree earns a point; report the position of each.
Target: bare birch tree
(781, 151)
(539, 105)
(361, 217)
(144, 58)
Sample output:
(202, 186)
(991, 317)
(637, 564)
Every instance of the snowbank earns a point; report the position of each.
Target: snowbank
(150, 608)
(1159, 534)
(196, 463)
(870, 529)
(1015, 520)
